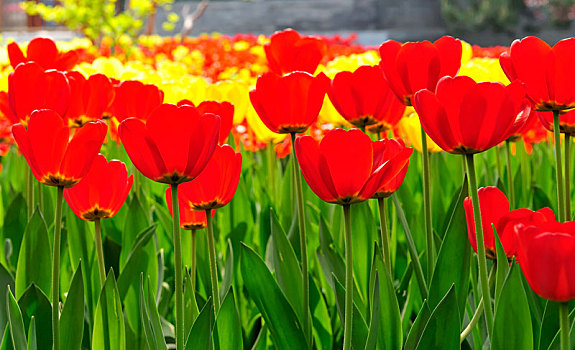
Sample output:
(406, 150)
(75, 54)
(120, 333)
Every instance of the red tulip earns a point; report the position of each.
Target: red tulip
(102, 192)
(289, 104)
(217, 184)
(173, 145)
(413, 66)
(190, 219)
(546, 71)
(547, 258)
(383, 151)
(135, 99)
(90, 97)
(566, 121)
(466, 117)
(363, 98)
(44, 52)
(225, 111)
(288, 52)
(340, 169)
(31, 88)
(495, 210)
(55, 159)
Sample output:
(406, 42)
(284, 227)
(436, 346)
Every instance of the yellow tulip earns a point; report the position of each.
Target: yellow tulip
(410, 129)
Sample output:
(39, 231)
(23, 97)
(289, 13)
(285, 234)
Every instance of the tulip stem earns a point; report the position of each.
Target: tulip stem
(497, 159)
(559, 167)
(179, 288)
(213, 266)
(564, 322)
(430, 251)
(509, 174)
(193, 267)
(476, 317)
(567, 177)
(40, 195)
(302, 241)
(348, 279)
(481, 259)
(100, 251)
(412, 249)
(382, 202)
(271, 169)
(29, 192)
(56, 270)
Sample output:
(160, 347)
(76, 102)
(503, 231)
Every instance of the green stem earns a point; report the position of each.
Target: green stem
(56, 270)
(30, 192)
(40, 195)
(564, 322)
(271, 169)
(430, 250)
(193, 267)
(179, 288)
(498, 161)
(567, 177)
(382, 203)
(509, 173)
(348, 279)
(412, 249)
(476, 317)
(559, 167)
(100, 251)
(213, 266)
(481, 258)
(302, 241)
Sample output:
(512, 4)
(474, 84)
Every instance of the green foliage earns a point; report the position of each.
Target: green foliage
(97, 19)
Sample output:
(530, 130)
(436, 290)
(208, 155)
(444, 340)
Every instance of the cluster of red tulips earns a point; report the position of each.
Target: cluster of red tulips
(60, 123)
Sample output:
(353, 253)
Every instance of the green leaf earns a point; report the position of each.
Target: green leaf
(390, 329)
(108, 331)
(32, 341)
(322, 329)
(34, 304)
(6, 282)
(453, 261)
(442, 329)
(72, 318)
(15, 322)
(362, 228)
(286, 266)
(228, 273)
(373, 332)
(135, 258)
(200, 336)
(512, 328)
(283, 324)
(549, 325)
(15, 221)
(191, 310)
(502, 266)
(228, 325)
(359, 330)
(35, 258)
(418, 326)
(151, 319)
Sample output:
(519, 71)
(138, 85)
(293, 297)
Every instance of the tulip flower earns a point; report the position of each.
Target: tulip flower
(413, 66)
(289, 104)
(31, 88)
(452, 115)
(547, 259)
(90, 98)
(135, 99)
(363, 98)
(172, 146)
(58, 160)
(495, 209)
(547, 73)
(102, 192)
(288, 52)
(55, 159)
(99, 195)
(44, 52)
(212, 189)
(409, 128)
(224, 110)
(408, 68)
(340, 169)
